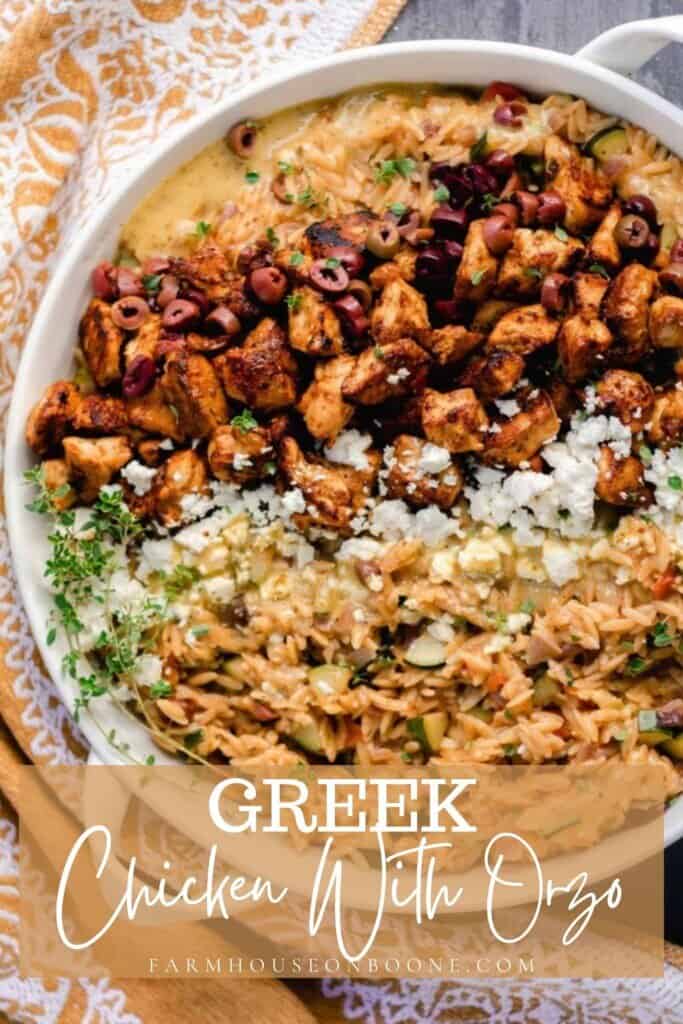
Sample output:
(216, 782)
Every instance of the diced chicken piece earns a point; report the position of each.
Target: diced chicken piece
(666, 322)
(101, 341)
(56, 480)
(534, 255)
(314, 327)
(207, 270)
(524, 434)
(401, 312)
(628, 395)
(476, 276)
(324, 410)
(409, 477)
(351, 229)
(295, 261)
(603, 247)
(400, 416)
(625, 309)
(493, 375)
(262, 373)
(489, 313)
(145, 340)
(191, 385)
(92, 462)
(402, 265)
(523, 330)
(583, 345)
(455, 420)
(386, 371)
(589, 291)
(562, 397)
(620, 481)
(98, 414)
(451, 344)
(238, 455)
(50, 419)
(585, 189)
(181, 476)
(153, 414)
(666, 424)
(333, 494)
(151, 452)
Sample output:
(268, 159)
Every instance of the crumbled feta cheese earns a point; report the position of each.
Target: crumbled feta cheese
(433, 459)
(155, 556)
(148, 670)
(443, 566)
(359, 547)
(508, 406)
(166, 445)
(198, 536)
(497, 644)
(479, 557)
(138, 476)
(560, 561)
(241, 461)
(517, 622)
(219, 589)
(195, 506)
(349, 449)
(293, 501)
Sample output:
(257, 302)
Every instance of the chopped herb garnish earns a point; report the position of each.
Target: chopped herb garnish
(480, 148)
(307, 197)
(675, 483)
(202, 228)
(270, 468)
(528, 607)
(406, 757)
(662, 636)
(388, 169)
(533, 272)
(645, 454)
(332, 263)
(489, 201)
(398, 209)
(251, 177)
(561, 234)
(597, 268)
(150, 760)
(378, 352)
(441, 194)
(193, 739)
(151, 282)
(294, 301)
(272, 236)
(477, 277)
(181, 579)
(51, 636)
(296, 259)
(160, 689)
(284, 167)
(636, 665)
(510, 750)
(199, 631)
(244, 421)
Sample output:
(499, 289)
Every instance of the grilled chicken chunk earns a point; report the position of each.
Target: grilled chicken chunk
(493, 375)
(350, 229)
(625, 308)
(190, 384)
(51, 417)
(401, 312)
(98, 414)
(523, 330)
(534, 255)
(583, 345)
(56, 477)
(628, 395)
(238, 456)
(152, 414)
(620, 481)
(386, 371)
(476, 276)
(322, 406)
(666, 424)
(92, 462)
(666, 322)
(412, 479)
(524, 434)
(603, 247)
(589, 291)
(262, 373)
(101, 341)
(402, 265)
(181, 476)
(451, 344)
(314, 327)
(489, 313)
(455, 420)
(585, 190)
(145, 340)
(333, 494)
(207, 270)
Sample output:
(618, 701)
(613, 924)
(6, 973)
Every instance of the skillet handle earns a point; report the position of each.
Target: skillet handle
(627, 47)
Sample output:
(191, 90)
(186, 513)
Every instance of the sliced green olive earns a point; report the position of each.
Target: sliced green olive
(483, 714)
(308, 737)
(607, 143)
(674, 747)
(546, 691)
(383, 240)
(653, 737)
(426, 652)
(429, 730)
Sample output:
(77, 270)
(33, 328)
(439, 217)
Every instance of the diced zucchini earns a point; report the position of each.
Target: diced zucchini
(329, 679)
(546, 691)
(674, 747)
(669, 235)
(653, 737)
(308, 737)
(429, 730)
(426, 652)
(483, 714)
(609, 142)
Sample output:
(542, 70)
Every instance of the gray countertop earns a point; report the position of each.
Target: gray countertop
(557, 24)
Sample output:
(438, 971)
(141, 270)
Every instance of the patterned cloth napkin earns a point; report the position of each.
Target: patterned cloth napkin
(85, 86)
